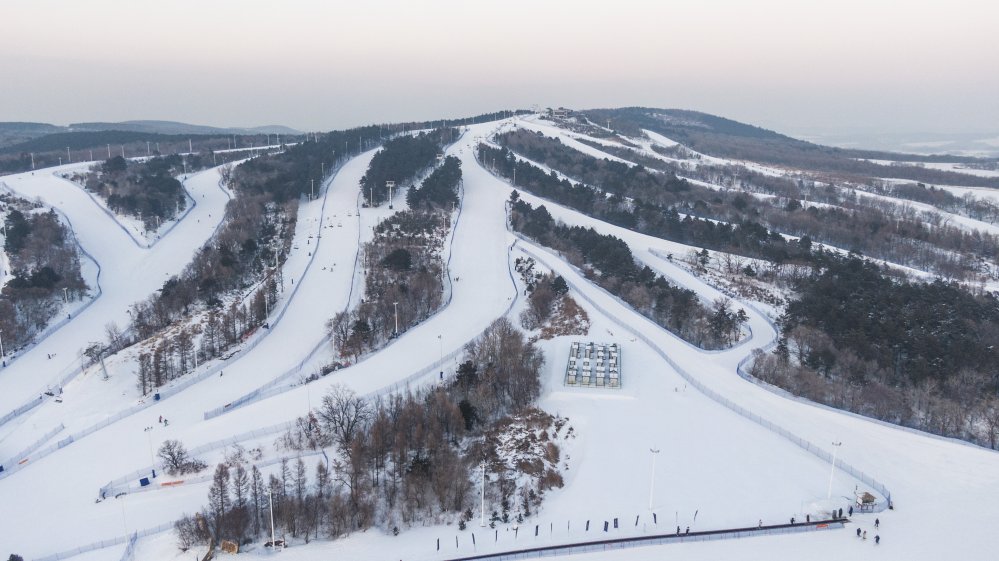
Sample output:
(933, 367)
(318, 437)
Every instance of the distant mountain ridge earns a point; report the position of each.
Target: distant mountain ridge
(174, 127)
(16, 133)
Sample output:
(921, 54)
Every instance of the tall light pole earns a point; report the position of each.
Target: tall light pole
(652, 484)
(3, 356)
(396, 306)
(832, 469)
(441, 339)
(482, 504)
(270, 502)
(65, 297)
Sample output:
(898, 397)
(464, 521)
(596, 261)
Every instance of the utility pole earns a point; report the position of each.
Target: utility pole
(109, 151)
(270, 501)
(312, 192)
(122, 150)
(190, 147)
(147, 149)
(69, 158)
(390, 185)
(652, 485)
(3, 356)
(482, 499)
(396, 306)
(65, 298)
(32, 160)
(832, 469)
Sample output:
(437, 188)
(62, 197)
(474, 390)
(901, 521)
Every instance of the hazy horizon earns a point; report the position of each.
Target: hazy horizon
(801, 69)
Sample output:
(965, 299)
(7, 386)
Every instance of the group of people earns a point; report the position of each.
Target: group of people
(163, 421)
(862, 534)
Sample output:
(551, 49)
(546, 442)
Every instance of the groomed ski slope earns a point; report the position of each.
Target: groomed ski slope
(713, 461)
(129, 273)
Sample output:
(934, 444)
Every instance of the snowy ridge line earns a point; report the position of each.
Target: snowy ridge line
(801, 442)
(273, 387)
(23, 454)
(207, 447)
(661, 539)
(101, 544)
(106, 211)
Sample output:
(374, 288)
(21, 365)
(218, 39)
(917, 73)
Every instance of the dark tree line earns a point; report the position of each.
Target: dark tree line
(248, 250)
(608, 261)
(394, 462)
(880, 229)
(43, 261)
(147, 190)
(404, 270)
(918, 354)
(401, 160)
(439, 189)
(403, 278)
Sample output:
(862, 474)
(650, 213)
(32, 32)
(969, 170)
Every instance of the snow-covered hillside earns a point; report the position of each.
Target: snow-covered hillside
(733, 453)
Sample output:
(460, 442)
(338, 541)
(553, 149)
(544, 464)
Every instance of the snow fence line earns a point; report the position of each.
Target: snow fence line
(274, 387)
(22, 457)
(101, 544)
(130, 487)
(661, 539)
(715, 396)
(129, 553)
(194, 452)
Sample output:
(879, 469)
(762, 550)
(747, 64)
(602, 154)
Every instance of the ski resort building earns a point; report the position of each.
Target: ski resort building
(594, 365)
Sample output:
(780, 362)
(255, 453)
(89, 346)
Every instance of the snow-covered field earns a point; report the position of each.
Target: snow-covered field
(715, 462)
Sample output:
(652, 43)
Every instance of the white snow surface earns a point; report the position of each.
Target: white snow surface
(728, 469)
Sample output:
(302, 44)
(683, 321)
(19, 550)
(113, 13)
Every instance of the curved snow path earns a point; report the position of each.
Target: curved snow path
(482, 285)
(129, 273)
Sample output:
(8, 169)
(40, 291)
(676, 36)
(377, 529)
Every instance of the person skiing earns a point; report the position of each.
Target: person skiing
(688, 530)
(792, 520)
(678, 530)
(161, 419)
(851, 511)
(877, 522)
(865, 534)
(808, 518)
(858, 532)
(877, 540)
(841, 513)
(761, 523)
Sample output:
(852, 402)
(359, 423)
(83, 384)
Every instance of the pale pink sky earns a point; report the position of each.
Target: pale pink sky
(790, 65)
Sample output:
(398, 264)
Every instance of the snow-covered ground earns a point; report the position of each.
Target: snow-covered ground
(714, 462)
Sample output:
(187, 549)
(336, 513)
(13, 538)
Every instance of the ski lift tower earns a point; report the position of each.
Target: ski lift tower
(390, 185)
